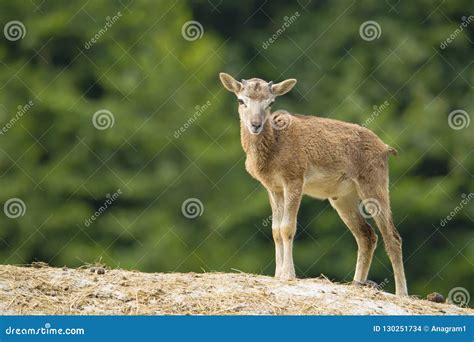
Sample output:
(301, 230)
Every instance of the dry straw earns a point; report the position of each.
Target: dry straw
(94, 290)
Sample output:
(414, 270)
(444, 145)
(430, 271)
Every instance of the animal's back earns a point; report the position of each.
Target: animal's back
(343, 137)
(333, 151)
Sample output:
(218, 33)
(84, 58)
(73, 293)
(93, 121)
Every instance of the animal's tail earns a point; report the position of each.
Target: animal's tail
(391, 151)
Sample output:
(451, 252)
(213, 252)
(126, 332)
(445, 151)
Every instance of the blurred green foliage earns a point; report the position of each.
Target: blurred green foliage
(175, 132)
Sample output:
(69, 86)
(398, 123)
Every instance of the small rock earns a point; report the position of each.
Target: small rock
(371, 283)
(367, 283)
(100, 270)
(435, 297)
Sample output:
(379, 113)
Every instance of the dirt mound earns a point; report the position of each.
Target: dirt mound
(96, 291)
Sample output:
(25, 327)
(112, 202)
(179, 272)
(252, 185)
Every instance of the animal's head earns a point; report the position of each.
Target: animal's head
(255, 98)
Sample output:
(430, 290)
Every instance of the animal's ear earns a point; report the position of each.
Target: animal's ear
(230, 83)
(283, 87)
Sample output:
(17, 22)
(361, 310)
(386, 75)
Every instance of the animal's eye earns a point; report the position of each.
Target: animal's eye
(241, 102)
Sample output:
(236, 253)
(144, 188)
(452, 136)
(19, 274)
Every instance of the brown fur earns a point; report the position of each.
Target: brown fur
(324, 158)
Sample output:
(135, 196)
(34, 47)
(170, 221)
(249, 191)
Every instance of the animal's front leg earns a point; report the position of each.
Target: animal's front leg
(278, 205)
(292, 193)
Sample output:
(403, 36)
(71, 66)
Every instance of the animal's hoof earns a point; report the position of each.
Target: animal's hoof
(287, 277)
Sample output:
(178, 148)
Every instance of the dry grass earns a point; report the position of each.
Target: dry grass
(42, 290)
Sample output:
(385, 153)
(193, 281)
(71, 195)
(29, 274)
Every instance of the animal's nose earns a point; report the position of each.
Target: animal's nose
(256, 125)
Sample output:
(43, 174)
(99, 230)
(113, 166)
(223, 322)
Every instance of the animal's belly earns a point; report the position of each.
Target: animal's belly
(324, 185)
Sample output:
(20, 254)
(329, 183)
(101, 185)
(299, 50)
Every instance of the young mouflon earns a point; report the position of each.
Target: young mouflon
(293, 155)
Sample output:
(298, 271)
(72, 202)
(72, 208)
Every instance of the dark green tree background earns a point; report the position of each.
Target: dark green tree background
(171, 133)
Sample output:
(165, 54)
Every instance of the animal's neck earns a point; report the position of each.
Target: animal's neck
(258, 147)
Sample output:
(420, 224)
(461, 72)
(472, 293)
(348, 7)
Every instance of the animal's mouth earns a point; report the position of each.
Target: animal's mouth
(255, 130)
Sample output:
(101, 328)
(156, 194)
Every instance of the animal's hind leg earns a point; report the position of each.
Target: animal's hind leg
(373, 190)
(348, 209)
